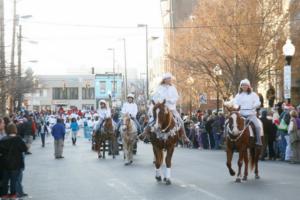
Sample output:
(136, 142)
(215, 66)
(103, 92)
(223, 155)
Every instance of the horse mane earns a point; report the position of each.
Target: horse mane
(108, 123)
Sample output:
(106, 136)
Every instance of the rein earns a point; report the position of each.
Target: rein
(241, 133)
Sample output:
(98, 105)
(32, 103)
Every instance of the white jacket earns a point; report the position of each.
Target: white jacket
(167, 92)
(248, 103)
(104, 113)
(130, 108)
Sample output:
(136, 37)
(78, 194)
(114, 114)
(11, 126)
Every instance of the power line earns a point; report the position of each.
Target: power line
(157, 27)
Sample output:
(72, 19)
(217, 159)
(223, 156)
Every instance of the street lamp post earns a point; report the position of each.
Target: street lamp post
(218, 72)
(289, 52)
(114, 77)
(147, 70)
(125, 66)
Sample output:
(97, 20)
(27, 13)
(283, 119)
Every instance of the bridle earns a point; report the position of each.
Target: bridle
(167, 112)
(240, 132)
(126, 123)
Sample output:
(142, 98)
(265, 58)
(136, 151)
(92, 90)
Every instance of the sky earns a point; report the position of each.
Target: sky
(75, 34)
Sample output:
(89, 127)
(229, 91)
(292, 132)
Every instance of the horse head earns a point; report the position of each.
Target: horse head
(108, 124)
(162, 116)
(126, 123)
(236, 123)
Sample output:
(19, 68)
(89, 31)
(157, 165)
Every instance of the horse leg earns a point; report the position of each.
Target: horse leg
(246, 165)
(229, 153)
(104, 147)
(126, 151)
(258, 150)
(240, 164)
(168, 160)
(158, 153)
(130, 152)
(113, 144)
(99, 148)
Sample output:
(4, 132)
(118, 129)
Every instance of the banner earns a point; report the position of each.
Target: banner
(203, 98)
(287, 81)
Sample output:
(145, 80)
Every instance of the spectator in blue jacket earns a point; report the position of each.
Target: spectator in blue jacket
(74, 129)
(58, 132)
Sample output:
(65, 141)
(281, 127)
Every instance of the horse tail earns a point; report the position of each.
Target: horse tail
(252, 158)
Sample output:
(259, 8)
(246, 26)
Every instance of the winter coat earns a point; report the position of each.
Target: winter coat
(74, 126)
(130, 108)
(58, 131)
(168, 93)
(12, 149)
(248, 103)
(28, 128)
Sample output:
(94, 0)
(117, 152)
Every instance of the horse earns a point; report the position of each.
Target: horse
(129, 138)
(163, 136)
(106, 133)
(238, 136)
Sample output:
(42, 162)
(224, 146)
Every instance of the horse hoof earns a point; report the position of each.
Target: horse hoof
(99, 156)
(257, 177)
(165, 179)
(114, 157)
(238, 180)
(232, 173)
(244, 178)
(168, 182)
(158, 178)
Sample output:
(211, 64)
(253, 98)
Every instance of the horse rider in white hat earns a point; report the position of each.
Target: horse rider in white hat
(166, 90)
(249, 102)
(103, 113)
(130, 108)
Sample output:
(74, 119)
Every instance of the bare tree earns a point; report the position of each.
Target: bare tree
(240, 36)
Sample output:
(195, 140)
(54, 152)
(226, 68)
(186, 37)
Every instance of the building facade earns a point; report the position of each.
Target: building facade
(109, 87)
(66, 91)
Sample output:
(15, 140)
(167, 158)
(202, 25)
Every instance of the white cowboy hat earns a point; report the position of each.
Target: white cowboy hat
(130, 95)
(102, 101)
(245, 82)
(167, 76)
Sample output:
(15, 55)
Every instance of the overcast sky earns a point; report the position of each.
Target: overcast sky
(71, 33)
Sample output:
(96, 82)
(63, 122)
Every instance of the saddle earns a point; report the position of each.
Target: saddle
(253, 134)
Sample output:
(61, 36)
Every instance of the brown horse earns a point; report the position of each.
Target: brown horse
(106, 133)
(163, 136)
(238, 137)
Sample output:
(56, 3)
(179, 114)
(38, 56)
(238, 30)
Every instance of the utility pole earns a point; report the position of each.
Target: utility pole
(19, 85)
(125, 65)
(114, 75)
(2, 62)
(12, 64)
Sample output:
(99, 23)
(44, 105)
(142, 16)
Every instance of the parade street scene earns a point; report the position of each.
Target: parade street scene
(149, 99)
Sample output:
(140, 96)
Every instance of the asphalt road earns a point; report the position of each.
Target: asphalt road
(196, 174)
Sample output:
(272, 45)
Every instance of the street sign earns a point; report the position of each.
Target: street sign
(287, 82)
(203, 98)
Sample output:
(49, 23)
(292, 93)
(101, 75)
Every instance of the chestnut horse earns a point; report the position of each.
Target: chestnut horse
(106, 133)
(238, 137)
(129, 138)
(163, 136)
